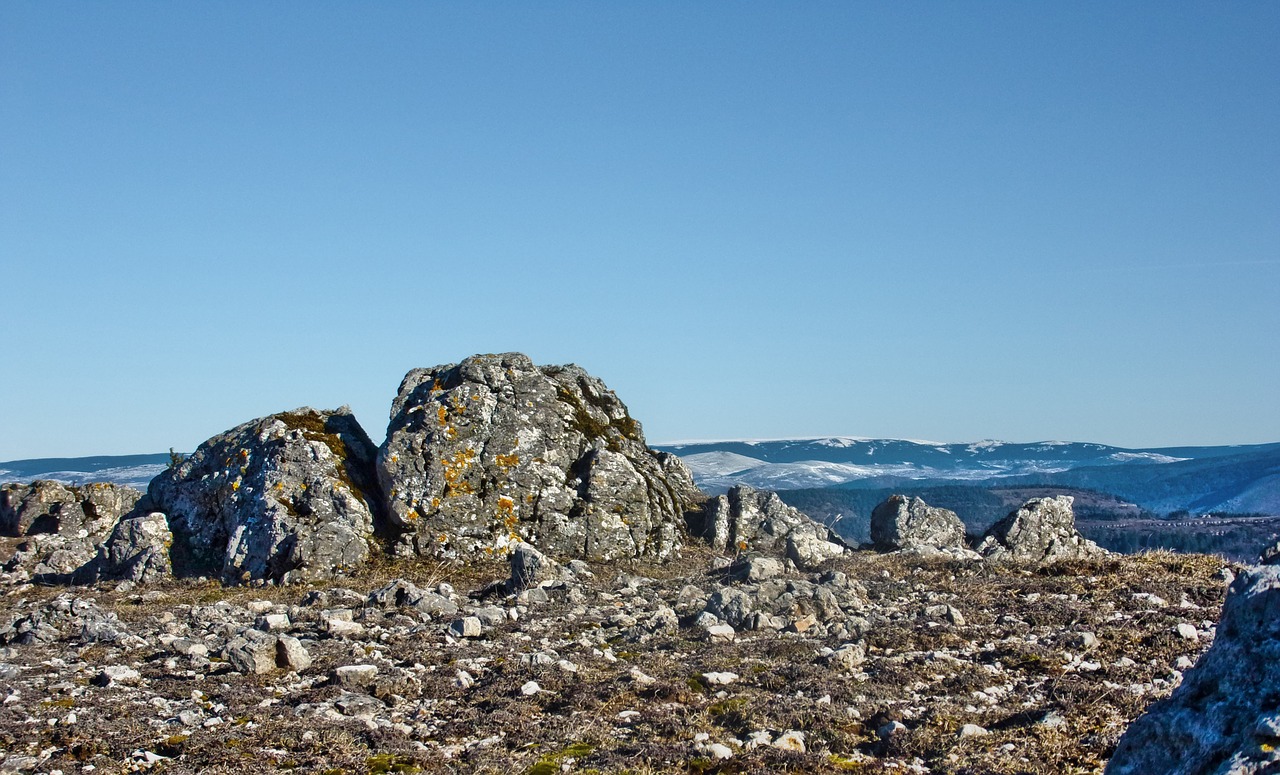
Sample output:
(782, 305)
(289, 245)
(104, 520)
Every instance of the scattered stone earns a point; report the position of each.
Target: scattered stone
(1188, 632)
(973, 730)
(791, 740)
(530, 688)
(720, 678)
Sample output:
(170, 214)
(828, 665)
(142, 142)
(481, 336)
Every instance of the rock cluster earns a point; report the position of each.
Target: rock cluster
(745, 519)
(289, 495)
(910, 523)
(494, 450)
(1224, 717)
(58, 528)
(1042, 529)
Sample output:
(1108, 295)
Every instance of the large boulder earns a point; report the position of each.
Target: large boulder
(137, 550)
(492, 451)
(749, 520)
(1223, 718)
(290, 495)
(910, 523)
(58, 527)
(1042, 529)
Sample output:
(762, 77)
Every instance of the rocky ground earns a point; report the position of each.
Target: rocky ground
(871, 663)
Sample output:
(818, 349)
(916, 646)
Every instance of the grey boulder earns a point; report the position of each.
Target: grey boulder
(1223, 717)
(290, 495)
(1043, 529)
(487, 453)
(910, 523)
(137, 550)
(745, 520)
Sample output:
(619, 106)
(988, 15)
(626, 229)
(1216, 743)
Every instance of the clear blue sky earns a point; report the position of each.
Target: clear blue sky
(950, 221)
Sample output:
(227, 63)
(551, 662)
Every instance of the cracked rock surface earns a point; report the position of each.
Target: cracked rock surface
(291, 494)
(494, 450)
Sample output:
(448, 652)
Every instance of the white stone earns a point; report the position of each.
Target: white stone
(973, 730)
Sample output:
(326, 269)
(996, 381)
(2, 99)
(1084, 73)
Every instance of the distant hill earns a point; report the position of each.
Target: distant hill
(132, 470)
(1160, 480)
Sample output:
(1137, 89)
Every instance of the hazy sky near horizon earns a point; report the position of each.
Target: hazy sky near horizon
(1005, 220)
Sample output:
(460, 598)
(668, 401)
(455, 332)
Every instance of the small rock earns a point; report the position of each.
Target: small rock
(291, 655)
(720, 679)
(340, 628)
(719, 751)
(804, 623)
(467, 627)
(273, 623)
(116, 674)
(530, 688)
(973, 730)
(355, 676)
(720, 633)
(889, 730)
(1188, 632)
(791, 740)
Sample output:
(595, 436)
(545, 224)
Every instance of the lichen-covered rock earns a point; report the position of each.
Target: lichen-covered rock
(910, 523)
(137, 550)
(1042, 529)
(494, 450)
(293, 493)
(1224, 717)
(61, 526)
(745, 519)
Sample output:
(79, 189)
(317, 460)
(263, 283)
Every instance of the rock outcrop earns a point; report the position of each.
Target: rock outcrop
(1224, 718)
(1042, 529)
(910, 523)
(137, 550)
(290, 495)
(59, 527)
(745, 520)
(492, 451)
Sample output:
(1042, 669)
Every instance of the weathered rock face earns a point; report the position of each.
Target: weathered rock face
(293, 493)
(910, 523)
(1224, 717)
(1042, 529)
(61, 526)
(750, 520)
(137, 550)
(494, 450)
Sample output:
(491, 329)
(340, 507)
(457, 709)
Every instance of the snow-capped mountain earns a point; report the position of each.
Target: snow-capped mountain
(788, 464)
(133, 470)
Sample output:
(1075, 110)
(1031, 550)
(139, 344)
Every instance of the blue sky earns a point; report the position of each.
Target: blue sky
(1003, 220)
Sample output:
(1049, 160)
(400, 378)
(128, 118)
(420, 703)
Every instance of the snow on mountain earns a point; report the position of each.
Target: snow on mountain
(1144, 457)
(848, 460)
